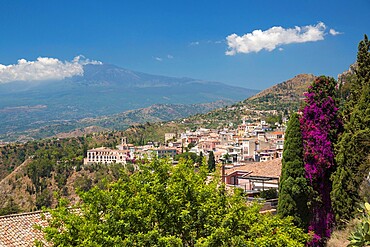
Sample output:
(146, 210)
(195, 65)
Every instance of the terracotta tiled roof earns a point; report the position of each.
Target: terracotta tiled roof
(270, 168)
(18, 229)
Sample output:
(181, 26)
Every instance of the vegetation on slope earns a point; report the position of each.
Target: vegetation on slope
(281, 99)
(165, 205)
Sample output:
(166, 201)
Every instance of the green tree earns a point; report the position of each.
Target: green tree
(226, 158)
(165, 205)
(293, 189)
(211, 162)
(200, 158)
(353, 148)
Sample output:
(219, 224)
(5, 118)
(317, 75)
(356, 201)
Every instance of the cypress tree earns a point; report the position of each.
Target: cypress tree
(293, 188)
(211, 162)
(353, 148)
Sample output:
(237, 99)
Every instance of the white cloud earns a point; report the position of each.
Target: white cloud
(194, 43)
(158, 59)
(169, 56)
(271, 38)
(333, 32)
(44, 68)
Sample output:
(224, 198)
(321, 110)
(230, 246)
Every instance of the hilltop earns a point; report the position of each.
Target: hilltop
(283, 96)
(279, 99)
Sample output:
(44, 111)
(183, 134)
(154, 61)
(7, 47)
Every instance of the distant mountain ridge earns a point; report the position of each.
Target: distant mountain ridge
(102, 90)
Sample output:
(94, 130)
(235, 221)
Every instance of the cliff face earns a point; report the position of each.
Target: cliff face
(344, 77)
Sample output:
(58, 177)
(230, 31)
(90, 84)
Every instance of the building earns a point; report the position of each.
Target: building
(169, 137)
(105, 156)
(164, 152)
(254, 176)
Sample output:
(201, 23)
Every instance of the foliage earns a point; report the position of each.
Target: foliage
(10, 208)
(361, 236)
(164, 205)
(353, 147)
(272, 119)
(269, 194)
(44, 199)
(188, 156)
(293, 188)
(320, 125)
(200, 158)
(211, 162)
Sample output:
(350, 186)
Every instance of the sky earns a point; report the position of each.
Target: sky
(252, 44)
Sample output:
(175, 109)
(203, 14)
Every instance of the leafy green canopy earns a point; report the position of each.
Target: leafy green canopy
(294, 190)
(164, 205)
(353, 148)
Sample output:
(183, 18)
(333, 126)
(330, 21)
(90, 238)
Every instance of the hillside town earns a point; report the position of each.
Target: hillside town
(250, 153)
(248, 142)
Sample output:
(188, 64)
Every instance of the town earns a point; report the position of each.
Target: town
(250, 154)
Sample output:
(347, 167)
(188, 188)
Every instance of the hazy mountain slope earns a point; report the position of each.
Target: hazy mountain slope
(120, 121)
(102, 90)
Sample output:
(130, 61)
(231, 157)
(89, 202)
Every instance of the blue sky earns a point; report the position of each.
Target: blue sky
(189, 38)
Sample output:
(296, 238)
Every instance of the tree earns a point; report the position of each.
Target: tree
(353, 146)
(165, 205)
(200, 159)
(226, 158)
(320, 125)
(187, 155)
(211, 162)
(293, 188)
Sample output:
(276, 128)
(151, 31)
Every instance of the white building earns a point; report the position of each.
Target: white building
(105, 156)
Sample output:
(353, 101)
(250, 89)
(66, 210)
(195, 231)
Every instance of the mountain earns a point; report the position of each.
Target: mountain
(120, 121)
(102, 90)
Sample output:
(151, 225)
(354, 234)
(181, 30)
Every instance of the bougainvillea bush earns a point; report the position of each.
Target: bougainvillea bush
(320, 125)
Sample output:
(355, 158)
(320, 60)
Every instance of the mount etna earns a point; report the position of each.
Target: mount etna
(29, 107)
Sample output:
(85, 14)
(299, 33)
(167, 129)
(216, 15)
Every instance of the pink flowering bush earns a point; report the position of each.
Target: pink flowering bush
(319, 126)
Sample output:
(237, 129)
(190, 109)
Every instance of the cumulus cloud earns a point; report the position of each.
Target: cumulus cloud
(169, 56)
(44, 68)
(271, 38)
(159, 59)
(194, 43)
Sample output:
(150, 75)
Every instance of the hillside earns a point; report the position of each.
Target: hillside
(103, 89)
(120, 121)
(54, 160)
(279, 99)
(31, 172)
(282, 96)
